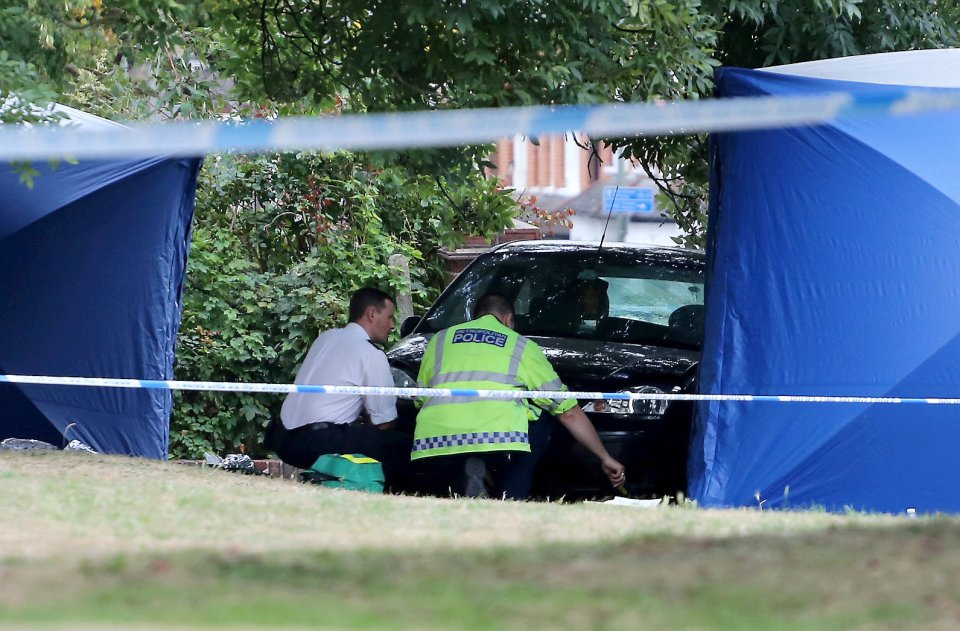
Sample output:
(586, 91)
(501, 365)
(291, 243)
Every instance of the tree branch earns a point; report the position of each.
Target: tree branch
(443, 190)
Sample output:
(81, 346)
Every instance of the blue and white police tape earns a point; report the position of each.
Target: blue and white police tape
(284, 388)
(444, 128)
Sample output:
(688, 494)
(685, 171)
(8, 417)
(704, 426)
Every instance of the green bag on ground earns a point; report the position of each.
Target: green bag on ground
(354, 472)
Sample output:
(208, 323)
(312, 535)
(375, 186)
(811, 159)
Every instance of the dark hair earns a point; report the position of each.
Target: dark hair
(492, 303)
(367, 297)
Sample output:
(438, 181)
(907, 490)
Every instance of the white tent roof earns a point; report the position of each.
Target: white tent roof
(83, 119)
(939, 68)
(72, 115)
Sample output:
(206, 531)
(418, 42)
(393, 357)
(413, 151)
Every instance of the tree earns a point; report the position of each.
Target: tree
(757, 33)
(486, 53)
(45, 43)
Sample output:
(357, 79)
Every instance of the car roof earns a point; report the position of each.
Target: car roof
(553, 245)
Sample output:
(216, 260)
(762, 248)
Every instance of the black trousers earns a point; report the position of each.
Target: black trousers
(510, 472)
(445, 476)
(301, 447)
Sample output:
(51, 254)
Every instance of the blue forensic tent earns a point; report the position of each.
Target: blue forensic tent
(834, 269)
(93, 260)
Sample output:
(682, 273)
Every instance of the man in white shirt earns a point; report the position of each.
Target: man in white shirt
(317, 424)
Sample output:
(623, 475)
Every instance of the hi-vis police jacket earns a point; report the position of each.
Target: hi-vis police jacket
(482, 354)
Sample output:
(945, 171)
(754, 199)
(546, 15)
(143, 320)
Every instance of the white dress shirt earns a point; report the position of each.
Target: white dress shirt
(341, 357)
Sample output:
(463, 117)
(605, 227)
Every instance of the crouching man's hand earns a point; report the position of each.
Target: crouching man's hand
(615, 472)
(583, 431)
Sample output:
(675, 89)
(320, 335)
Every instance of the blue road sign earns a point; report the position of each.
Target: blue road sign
(628, 199)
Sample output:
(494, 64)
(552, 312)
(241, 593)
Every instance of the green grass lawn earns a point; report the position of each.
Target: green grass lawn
(93, 541)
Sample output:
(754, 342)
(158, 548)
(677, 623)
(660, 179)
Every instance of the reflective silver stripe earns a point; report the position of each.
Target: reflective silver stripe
(473, 375)
(438, 353)
(474, 438)
(517, 355)
(461, 400)
(556, 384)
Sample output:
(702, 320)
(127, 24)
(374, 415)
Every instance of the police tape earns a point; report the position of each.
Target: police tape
(445, 128)
(280, 388)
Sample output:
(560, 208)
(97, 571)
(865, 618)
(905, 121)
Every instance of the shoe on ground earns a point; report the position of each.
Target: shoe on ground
(476, 472)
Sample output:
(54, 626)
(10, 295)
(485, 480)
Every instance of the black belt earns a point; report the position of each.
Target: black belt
(357, 422)
(313, 426)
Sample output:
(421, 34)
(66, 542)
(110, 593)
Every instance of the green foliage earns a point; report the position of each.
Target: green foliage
(412, 55)
(159, 84)
(20, 89)
(44, 43)
(424, 53)
(429, 54)
(683, 38)
(218, 340)
(760, 33)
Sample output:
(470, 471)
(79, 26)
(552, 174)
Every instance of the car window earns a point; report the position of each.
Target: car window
(626, 296)
(651, 299)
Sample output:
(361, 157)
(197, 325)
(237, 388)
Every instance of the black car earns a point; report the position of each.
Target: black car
(615, 318)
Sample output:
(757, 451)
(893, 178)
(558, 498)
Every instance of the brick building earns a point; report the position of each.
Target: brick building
(561, 173)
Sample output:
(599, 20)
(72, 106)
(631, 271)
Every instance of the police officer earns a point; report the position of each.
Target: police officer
(480, 446)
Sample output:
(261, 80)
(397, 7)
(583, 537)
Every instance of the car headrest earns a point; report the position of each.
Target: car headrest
(688, 319)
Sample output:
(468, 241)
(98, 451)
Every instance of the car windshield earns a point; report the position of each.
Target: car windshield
(634, 296)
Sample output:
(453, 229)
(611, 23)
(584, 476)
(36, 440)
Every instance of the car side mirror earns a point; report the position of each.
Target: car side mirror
(408, 325)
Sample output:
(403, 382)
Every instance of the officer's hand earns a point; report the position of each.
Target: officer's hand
(615, 472)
